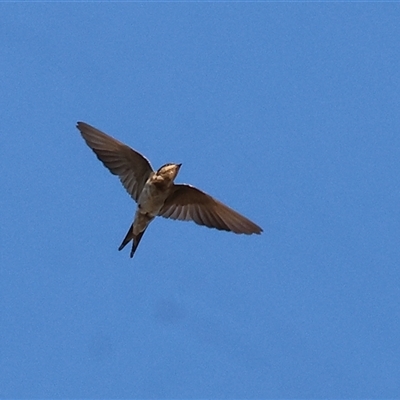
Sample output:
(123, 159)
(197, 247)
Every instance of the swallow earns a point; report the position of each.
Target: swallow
(155, 192)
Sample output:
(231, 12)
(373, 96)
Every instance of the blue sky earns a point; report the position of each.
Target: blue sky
(287, 112)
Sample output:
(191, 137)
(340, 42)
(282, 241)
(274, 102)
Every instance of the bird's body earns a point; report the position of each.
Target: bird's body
(155, 192)
(150, 202)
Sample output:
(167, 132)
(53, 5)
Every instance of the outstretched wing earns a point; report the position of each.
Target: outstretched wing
(188, 203)
(132, 168)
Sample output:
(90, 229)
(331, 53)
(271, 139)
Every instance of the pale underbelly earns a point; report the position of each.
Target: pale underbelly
(151, 200)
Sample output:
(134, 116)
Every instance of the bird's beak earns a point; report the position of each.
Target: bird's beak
(179, 165)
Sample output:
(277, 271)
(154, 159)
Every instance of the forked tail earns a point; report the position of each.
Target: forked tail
(135, 240)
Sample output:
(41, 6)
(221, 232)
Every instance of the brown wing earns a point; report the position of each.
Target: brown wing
(132, 168)
(191, 204)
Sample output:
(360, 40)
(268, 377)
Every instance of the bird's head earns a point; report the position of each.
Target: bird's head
(168, 171)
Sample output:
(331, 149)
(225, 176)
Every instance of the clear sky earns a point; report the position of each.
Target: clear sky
(288, 113)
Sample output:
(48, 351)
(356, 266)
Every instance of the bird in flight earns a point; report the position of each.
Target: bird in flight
(155, 192)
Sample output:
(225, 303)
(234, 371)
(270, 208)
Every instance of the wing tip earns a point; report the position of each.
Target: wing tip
(80, 124)
(259, 230)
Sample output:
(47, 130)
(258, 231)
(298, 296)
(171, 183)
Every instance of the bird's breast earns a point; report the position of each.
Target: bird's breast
(152, 198)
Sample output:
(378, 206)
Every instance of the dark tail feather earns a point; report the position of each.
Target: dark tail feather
(127, 239)
(135, 242)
